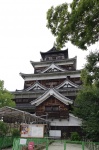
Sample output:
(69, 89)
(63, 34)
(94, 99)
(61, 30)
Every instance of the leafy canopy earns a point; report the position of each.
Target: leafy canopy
(5, 96)
(78, 23)
(87, 108)
(90, 73)
(87, 101)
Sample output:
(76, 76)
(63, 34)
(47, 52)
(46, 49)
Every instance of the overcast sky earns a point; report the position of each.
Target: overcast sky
(23, 34)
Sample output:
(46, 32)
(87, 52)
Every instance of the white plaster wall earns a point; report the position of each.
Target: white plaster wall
(73, 121)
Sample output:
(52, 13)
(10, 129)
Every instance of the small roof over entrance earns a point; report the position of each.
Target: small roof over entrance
(12, 115)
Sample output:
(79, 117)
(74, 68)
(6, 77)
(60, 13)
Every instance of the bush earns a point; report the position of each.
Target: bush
(3, 128)
(75, 136)
(15, 132)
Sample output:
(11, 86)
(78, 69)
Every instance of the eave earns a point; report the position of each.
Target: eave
(57, 62)
(28, 77)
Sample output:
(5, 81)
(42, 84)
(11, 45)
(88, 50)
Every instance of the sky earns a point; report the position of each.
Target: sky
(23, 35)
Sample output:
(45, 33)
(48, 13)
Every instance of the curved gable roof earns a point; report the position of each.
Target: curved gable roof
(36, 86)
(53, 67)
(51, 92)
(67, 84)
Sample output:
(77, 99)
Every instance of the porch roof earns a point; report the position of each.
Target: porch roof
(12, 115)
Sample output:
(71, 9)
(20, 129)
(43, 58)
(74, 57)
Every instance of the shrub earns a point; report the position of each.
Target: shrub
(75, 136)
(3, 128)
(15, 132)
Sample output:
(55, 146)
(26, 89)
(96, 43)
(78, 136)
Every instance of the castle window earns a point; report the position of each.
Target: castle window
(38, 70)
(54, 57)
(51, 108)
(48, 58)
(78, 82)
(48, 108)
(60, 57)
(18, 100)
(70, 68)
(25, 100)
(55, 108)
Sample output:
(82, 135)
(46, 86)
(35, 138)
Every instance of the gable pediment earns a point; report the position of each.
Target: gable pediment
(53, 68)
(54, 93)
(67, 84)
(36, 86)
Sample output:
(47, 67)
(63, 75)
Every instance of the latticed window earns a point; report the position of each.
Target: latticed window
(55, 108)
(51, 108)
(48, 108)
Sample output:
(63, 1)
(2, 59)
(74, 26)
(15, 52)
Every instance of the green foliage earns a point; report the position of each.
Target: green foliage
(75, 136)
(90, 73)
(78, 24)
(88, 98)
(15, 132)
(5, 96)
(3, 128)
(87, 101)
(87, 108)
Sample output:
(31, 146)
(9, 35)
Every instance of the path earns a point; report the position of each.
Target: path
(60, 146)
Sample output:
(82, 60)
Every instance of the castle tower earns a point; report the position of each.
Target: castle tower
(51, 90)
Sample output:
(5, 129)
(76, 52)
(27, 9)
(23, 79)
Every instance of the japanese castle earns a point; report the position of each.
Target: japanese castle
(51, 90)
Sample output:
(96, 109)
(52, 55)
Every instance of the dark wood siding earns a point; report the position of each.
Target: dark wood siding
(52, 103)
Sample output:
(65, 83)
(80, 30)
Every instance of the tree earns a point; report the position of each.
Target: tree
(90, 73)
(87, 101)
(80, 24)
(87, 108)
(5, 96)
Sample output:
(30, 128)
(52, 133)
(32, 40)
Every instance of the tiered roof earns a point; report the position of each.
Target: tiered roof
(55, 51)
(56, 75)
(54, 67)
